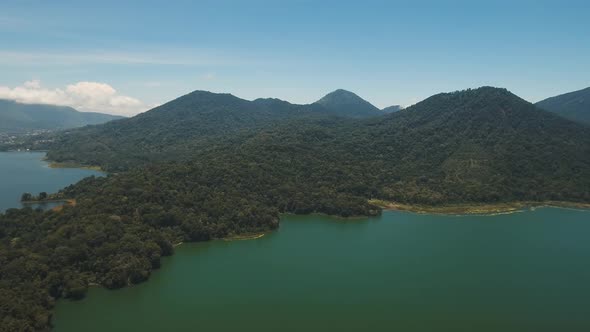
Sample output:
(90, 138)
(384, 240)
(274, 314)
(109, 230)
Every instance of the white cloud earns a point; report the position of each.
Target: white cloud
(83, 96)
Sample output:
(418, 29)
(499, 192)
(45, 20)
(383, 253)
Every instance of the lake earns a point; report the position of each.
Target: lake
(526, 271)
(22, 172)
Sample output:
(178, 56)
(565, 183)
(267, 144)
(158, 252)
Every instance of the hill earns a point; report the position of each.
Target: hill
(574, 105)
(347, 104)
(17, 118)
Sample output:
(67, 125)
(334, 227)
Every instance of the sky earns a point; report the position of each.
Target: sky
(124, 57)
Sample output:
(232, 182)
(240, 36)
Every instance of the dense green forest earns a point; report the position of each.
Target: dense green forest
(483, 145)
(572, 105)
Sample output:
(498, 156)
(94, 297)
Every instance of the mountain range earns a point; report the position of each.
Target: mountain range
(208, 166)
(484, 144)
(195, 121)
(16, 117)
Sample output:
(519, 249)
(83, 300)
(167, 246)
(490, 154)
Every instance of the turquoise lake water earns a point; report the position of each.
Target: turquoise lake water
(525, 271)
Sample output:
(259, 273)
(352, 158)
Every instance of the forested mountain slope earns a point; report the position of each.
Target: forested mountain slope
(482, 145)
(573, 105)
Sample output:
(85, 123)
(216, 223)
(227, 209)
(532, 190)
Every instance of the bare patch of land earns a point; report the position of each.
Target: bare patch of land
(73, 165)
(483, 209)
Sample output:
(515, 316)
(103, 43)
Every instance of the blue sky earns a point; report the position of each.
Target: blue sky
(388, 52)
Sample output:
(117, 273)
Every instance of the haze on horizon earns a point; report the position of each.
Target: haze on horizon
(124, 58)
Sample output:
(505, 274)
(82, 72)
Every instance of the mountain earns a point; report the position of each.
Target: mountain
(392, 109)
(16, 117)
(172, 131)
(347, 104)
(573, 105)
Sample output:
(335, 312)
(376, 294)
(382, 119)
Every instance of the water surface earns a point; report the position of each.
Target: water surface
(520, 272)
(22, 172)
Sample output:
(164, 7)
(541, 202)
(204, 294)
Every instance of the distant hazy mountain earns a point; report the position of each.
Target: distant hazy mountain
(348, 104)
(391, 109)
(16, 117)
(573, 105)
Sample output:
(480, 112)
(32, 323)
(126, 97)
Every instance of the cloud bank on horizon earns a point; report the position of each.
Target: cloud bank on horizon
(83, 96)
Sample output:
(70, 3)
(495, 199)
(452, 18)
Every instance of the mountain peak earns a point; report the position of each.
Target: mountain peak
(494, 108)
(346, 103)
(341, 95)
(479, 95)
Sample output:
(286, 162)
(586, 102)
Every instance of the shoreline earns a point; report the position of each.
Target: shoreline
(57, 200)
(475, 208)
(56, 164)
(241, 237)
(58, 208)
